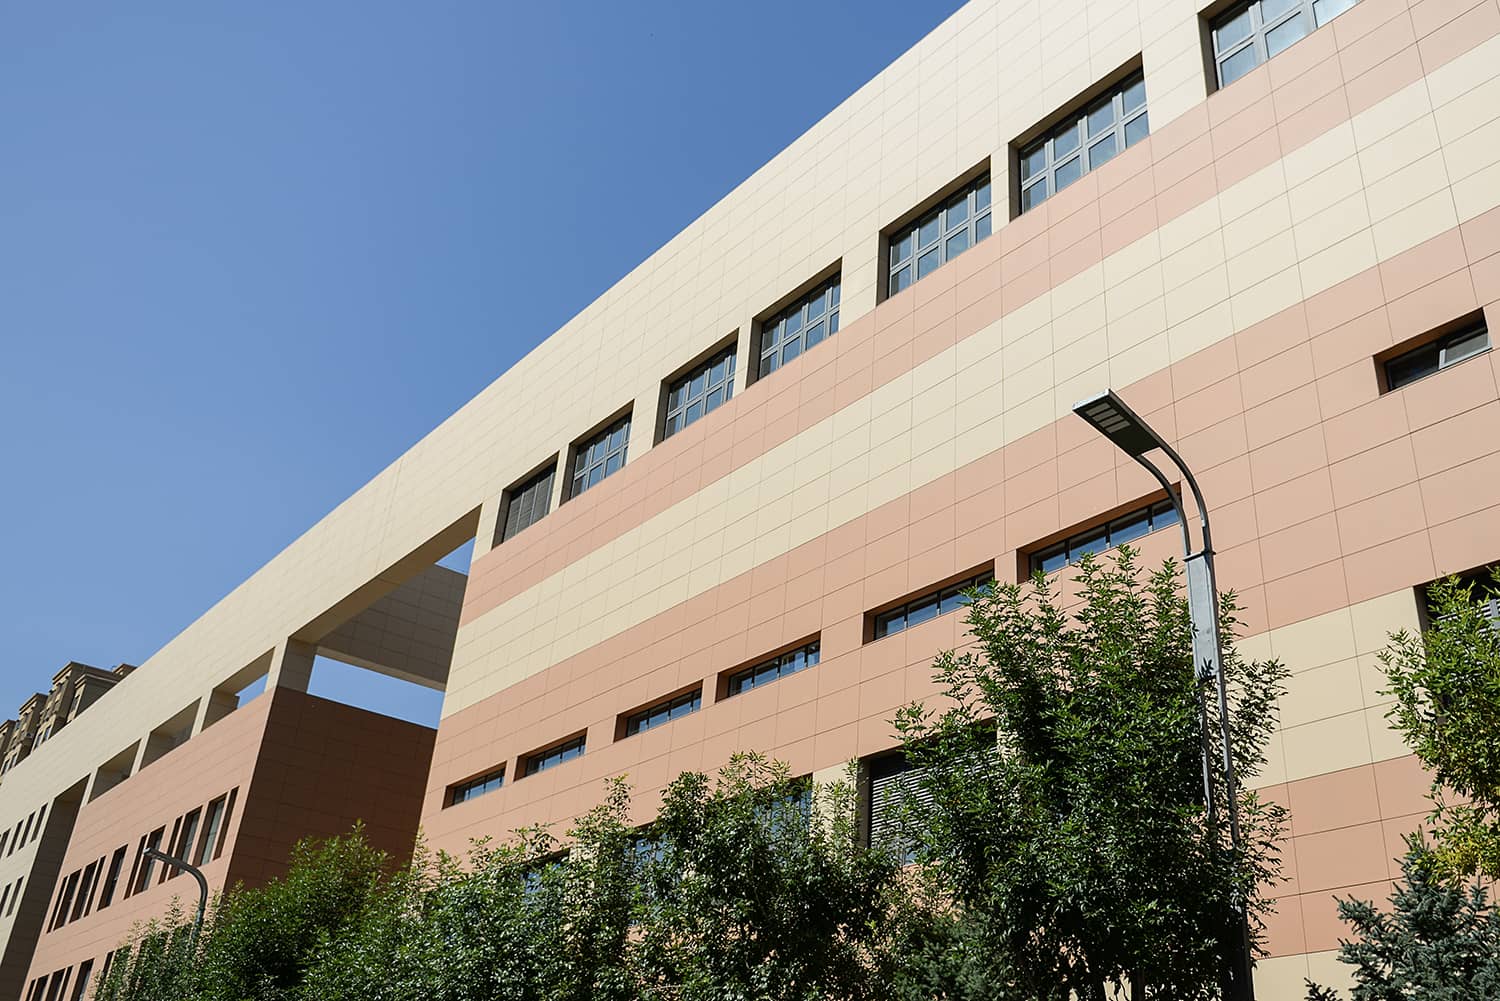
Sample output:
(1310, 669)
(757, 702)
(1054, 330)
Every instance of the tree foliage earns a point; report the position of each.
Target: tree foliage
(1066, 778)
(1446, 683)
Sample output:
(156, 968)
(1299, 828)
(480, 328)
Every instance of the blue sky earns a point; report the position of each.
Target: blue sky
(251, 252)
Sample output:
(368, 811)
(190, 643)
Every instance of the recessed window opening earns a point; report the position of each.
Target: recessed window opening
(1117, 532)
(800, 327)
(700, 391)
(939, 235)
(599, 456)
(939, 601)
(894, 783)
(462, 792)
(1248, 34)
(528, 501)
(743, 680)
(663, 712)
(112, 878)
(555, 755)
(209, 844)
(1469, 341)
(1085, 141)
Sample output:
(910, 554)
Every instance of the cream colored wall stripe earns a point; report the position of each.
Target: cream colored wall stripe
(1331, 209)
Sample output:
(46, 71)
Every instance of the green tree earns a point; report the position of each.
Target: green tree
(155, 963)
(1437, 943)
(1064, 765)
(1446, 683)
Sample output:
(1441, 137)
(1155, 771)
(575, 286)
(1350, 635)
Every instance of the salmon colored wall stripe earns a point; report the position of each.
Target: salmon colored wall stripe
(1314, 86)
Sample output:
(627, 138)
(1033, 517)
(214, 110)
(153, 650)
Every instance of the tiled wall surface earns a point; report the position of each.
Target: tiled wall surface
(1234, 275)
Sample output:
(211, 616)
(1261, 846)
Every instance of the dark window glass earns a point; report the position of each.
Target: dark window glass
(1085, 141)
(64, 902)
(1126, 528)
(600, 456)
(186, 840)
(928, 606)
(1248, 34)
(148, 864)
(85, 890)
(776, 667)
(474, 788)
(566, 751)
(894, 783)
(79, 988)
(940, 235)
(664, 712)
(211, 830)
(528, 503)
(1461, 345)
(700, 392)
(14, 897)
(800, 326)
(112, 878)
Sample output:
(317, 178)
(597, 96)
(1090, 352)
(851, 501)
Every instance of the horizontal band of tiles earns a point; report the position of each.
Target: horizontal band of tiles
(972, 414)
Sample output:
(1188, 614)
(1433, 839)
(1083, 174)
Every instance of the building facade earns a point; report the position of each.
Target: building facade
(726, 505)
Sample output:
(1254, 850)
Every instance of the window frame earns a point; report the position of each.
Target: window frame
(514, 495)
(1460, 330)
(1036, 557)
(689, 701)
(879, 622)
(937, 211)
(683, 381)
(1307, 11)
(773, 336)
(471, 789)
(579, 463)
(553, 755)
(762, 672)
(1076, 120)
(111, 881)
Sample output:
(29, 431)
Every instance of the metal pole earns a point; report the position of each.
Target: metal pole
(192, 870)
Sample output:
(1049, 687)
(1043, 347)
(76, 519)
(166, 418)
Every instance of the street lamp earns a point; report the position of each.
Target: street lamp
(196, 873)
(1111, 417)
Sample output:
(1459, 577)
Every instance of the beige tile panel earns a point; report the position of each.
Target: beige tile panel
(631, 579)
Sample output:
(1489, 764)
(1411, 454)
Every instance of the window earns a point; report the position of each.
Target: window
(939, 235)
(600, 456)
(81, 986)
(700, 391)
(64, 902)
(769, 670)
(208, 846)
(182, 845)
(112, 878)
(663, 712)
(1084, 142)
(800, 327)
(1250, 33)
(928, 606)
(85, 891)
(528, 502)
(4, 837)
(41, 815)
(1471, 340)
(4, 895)
(15, 896)
(465, 791)
(30, 819)
(894, 781)
(152, 842)
(1121, 530)
(555, 755)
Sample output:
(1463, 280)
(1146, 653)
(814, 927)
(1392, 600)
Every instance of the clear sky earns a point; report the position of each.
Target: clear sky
(251, 252)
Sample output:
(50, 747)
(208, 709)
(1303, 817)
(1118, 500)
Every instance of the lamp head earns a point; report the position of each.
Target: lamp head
(1109, 415)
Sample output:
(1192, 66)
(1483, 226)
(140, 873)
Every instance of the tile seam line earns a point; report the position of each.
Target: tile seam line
(492, 556)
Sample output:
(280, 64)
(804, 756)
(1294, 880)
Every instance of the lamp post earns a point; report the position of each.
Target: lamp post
(1124, 428)
(192, 870)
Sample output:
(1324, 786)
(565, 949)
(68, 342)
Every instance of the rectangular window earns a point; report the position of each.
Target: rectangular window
(528, 502)
(1469, 341)
(58, 986)
(64, 902)
(14, 897)
(474, 788)
(894, 782)
(664, 712)
(211, 827)
(700, 391)
(112, 878)
(41, 816)
(555, 755)
(800, 327)
(928, 606)
(148, 864)
(1248, 34)
(1126, 528)
(187, 838)
(1084, 141)
(4, 837)
(599, 456)
(85, 890)
(939, 235)
(769, 670)
(83, 980)
(4, 896)
(30, 819)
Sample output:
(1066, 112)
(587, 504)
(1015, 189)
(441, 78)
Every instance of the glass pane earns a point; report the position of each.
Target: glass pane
(700, 383)
(1270, 10)
(1092, 542)
(921, 613)
(1285, 33)
(1034, 195)
(833, 324)
(1466, 346)
(928, 233)
(958, 243)
(958, 212)
(1237, 65)
(927, 263)
(618, 438)
(1065, 142)
(1128, 529)
(1034, 162)
(770, 363)
(793, 323)
(791, 349)
(901, 279)
(1135, 95)
(694, 411)
(1068, 173)
(595, 475)
(833, 292)
(617, 460)
(720, 370)
(714, 399)
(1137, 129)
(1326, 10)
(982, 197)
(1235, 29)
(901, 249)
(1101, 118)
(1055, 559)
(815, 308)
(1102, 152)
(814, 334)
(952, 601)
(981, 228)
(1401, 371)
